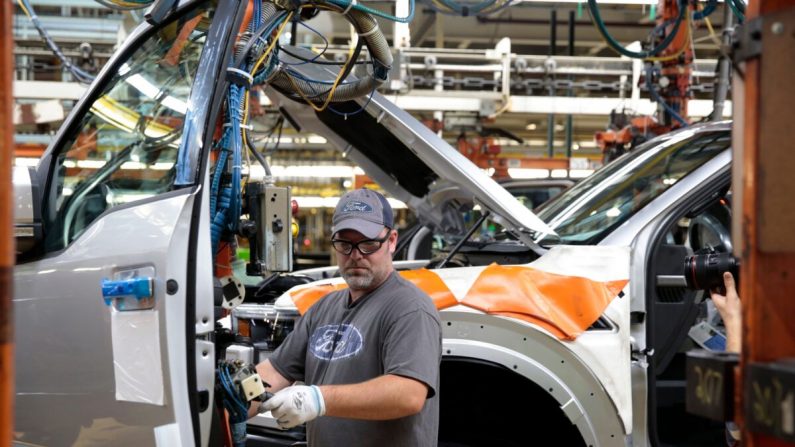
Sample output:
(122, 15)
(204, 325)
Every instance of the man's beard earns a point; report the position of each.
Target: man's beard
(363, 279)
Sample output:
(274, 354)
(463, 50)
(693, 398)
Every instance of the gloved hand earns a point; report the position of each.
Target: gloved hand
(295, 405)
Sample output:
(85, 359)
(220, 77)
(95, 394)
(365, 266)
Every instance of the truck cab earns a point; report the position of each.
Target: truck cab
(117, 295)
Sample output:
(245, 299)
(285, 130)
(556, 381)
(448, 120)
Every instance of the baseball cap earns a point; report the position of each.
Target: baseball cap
(362, 210)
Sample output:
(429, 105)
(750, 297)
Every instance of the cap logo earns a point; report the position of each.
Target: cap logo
(357, 207)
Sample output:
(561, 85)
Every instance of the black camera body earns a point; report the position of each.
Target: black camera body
(705, 270)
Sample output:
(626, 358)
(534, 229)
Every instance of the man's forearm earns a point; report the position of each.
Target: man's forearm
(385, 397)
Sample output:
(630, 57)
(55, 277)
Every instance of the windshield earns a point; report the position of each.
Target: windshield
(588, 212)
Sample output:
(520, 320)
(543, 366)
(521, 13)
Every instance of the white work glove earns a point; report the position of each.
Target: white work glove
(295, 405)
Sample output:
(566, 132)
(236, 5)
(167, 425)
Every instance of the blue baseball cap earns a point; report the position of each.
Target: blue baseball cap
(362, 210)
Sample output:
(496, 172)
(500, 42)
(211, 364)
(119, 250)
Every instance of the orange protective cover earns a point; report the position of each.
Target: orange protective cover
(564, 305)
(431, 284)
(304, 298)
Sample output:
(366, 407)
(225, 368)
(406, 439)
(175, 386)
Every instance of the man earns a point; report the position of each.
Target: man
(368, 355)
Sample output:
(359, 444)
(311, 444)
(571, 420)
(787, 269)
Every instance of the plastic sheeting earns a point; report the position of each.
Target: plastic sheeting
(137, 369)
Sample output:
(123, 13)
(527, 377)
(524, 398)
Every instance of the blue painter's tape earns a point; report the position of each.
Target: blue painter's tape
(134, 287)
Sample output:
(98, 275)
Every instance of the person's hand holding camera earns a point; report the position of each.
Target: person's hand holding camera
(730, 310)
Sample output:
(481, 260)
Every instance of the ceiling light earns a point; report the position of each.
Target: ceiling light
(528, 173)
(531, 126)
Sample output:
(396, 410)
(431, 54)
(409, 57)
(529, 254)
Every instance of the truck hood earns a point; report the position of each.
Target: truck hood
(409, 161)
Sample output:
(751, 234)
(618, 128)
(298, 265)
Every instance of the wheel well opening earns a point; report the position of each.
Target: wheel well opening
(487, 404)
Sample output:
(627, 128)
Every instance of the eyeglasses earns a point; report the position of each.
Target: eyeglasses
(365, 247)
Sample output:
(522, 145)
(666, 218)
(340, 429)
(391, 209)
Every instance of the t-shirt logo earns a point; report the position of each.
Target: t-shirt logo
(335, 341)
(354, 206)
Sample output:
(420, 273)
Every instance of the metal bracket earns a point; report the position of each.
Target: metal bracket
(747, 41)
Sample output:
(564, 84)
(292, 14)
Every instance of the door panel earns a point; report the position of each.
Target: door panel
(92, 371)
(68, 383)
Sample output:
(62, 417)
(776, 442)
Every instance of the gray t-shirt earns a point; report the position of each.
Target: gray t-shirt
(394, 329)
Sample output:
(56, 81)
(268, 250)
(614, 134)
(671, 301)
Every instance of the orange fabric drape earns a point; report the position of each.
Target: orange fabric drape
(431, 284)
(305, 297)
(564, 305)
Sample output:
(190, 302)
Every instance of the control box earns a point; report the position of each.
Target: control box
(271, 244)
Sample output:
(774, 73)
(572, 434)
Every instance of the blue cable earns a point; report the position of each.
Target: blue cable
(356, 112)
(325, 45)
(711, 5)
(361, 109)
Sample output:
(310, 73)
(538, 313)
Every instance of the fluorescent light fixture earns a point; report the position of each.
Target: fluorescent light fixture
(531, 126)
(575, 147)
(580, 173)
(133, 165)
(601, 2)
(150, 90)
(560, 173)
(25, 161)
(162, 166)
(528, 173)
(69, 164)
(332, 171)
(613, 212)
(316, 139)
(307, 202)
(90, 164)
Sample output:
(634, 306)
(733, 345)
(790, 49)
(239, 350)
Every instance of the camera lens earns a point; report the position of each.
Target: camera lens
(705, 271)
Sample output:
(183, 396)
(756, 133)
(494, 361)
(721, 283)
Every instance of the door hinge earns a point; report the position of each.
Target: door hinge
(747, 40)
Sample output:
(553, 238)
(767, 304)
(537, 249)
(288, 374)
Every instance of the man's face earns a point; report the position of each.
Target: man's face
(365, 272)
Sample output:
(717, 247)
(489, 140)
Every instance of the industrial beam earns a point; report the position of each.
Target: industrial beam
(48, 90)
(767, 275)
(462, 101)
(6, 224)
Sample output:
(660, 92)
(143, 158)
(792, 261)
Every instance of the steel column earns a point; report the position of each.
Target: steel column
(724, 68)
(768, 211)
(569, 118)
(6, 225)
(553, 38)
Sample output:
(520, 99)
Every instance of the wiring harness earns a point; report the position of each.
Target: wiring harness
(260, 60)
(80, 75)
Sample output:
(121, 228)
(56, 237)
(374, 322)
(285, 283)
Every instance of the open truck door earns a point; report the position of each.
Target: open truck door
(113, 295)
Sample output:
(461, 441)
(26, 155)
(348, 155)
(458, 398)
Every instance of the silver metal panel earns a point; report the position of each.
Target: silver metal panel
(440, 157)
(65, 386)
(542, 359)
(23, 196)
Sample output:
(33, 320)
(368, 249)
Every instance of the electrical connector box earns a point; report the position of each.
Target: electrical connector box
(252, 386)
(240, 353)
(277, 243)
(270, 208)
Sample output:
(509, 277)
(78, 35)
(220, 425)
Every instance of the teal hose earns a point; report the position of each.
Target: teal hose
(613, 43)
(737, 9)
(344, 4)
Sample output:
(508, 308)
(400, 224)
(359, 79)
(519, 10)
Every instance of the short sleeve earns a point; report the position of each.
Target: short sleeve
(413, 348)
(290, 357)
